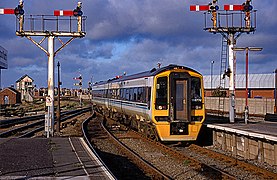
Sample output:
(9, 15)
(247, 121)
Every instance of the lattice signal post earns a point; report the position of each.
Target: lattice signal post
(49, 27)
(230, 23)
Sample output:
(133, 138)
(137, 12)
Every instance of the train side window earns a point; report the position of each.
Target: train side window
(105, 93)
(127, 94)
(117, 93)
(135, 94)
(149, 97)
(140, 94)
(144, 93)
(161, 93)
(121, 94)
(131, 95)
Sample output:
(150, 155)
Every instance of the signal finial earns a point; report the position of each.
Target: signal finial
(79, 4)
(78, 10)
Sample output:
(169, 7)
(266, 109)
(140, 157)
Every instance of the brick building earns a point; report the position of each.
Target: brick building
(9, 96)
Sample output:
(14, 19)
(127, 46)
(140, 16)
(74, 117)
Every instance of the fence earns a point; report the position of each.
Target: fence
(256, 106)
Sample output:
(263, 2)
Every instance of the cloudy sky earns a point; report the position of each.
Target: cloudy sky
(133, 36)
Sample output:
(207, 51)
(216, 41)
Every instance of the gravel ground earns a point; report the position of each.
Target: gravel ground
(237, 172)
(253, 162)
(169, 165)
(183, 170)
(116, 160)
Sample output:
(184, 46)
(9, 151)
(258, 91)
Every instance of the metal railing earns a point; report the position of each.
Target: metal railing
(229, 20)
(49, 23)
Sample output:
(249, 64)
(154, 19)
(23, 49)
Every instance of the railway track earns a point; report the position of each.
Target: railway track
(231, 162)
(156, 160)
(34, 124)
(126, 162)
(184, 166)
(195, 161)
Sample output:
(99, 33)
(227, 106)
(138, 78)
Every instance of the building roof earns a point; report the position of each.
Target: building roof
(254, 81)
(22, 77)
(11, 89)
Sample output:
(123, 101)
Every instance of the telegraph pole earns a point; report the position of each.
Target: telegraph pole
(50, 34)
(59, 101)
(221, 23)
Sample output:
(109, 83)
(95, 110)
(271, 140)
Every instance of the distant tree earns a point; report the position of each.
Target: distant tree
(219, 92)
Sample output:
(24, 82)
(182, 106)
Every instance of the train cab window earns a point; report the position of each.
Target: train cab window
(196, 93)
(161, 93)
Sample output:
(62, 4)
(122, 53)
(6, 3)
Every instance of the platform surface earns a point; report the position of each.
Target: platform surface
(265, 130)
(54, 158)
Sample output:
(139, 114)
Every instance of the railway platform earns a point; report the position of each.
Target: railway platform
(53, 158)
(252, 141)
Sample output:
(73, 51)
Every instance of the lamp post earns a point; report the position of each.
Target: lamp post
(212, 67)
(246, 49)
(58, 107)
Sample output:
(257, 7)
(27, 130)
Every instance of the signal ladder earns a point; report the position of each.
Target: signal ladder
(223, 62)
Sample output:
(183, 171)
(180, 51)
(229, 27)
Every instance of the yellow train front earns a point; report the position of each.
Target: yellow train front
(165, 103)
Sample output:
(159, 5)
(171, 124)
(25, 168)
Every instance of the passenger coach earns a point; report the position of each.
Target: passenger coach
(165, 103)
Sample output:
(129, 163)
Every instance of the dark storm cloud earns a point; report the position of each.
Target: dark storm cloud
(132, 36)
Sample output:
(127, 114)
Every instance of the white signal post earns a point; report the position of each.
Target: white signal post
(51, 82)
(229, 33)
(51, 53)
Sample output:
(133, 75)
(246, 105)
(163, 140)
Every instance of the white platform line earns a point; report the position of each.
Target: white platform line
(78, 157)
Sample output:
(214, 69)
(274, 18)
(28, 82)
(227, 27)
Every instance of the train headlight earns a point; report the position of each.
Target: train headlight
(198, 107)
(161, 107)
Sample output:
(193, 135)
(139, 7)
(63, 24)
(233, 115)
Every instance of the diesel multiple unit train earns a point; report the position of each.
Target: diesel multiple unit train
(166, 103)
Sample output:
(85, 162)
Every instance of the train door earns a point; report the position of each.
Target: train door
(181, 99)
(179, 96)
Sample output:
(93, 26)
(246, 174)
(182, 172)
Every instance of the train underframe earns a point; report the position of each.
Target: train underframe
(141, 125)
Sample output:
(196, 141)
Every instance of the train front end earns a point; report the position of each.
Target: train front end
(178, 109)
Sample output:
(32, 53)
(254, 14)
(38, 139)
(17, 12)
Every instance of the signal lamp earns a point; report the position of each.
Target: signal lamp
(214, 8)
(77, 12)
(247, 8)
(18, 10)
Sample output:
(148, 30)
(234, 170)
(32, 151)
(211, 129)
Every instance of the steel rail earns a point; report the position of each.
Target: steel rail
(86, 138)
(40, 122)
(14, 121)
(235, 162)
(149, 168)
(202, 167)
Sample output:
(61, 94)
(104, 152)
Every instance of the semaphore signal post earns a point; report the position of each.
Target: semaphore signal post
(63, 24)
(230, 23)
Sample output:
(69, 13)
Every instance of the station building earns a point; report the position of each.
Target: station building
(259, 85)
(25, 85)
